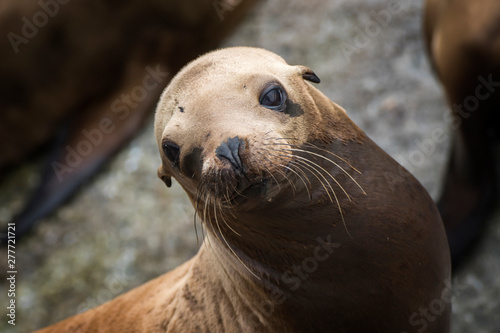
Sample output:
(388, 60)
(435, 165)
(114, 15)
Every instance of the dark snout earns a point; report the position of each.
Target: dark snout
(229, 150)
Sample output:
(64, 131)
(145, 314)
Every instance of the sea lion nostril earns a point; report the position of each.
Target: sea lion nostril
(172, 151)
(230, 150)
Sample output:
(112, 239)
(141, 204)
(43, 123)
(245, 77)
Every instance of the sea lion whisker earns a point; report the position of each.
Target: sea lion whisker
(288, 159)
(326, 172)
(328, 188)
(207, 225)
(292, 185)
(200, 193)
(229, 246)
(229, 211)
(282, 138)
(233, 188)
(333, 154)
(227, 195)
(266, 135)
(305, 163)
(313, 171)
(225, 221)
(328, 152)
(207, 199)
(196, 229)
(325, 158)
(239, 193)
(198, 196)
(211, 222)
(304, 176)
(334, 163)
(262, 156)
(301, 179)
(340, 208)
(272, 176)
(205, 209)
(295, 172)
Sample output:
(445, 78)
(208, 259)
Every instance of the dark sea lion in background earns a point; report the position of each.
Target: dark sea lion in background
(463, 40)
(88, 73)
(303, 232)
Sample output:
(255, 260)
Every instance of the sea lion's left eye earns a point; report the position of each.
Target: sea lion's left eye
(273, 98)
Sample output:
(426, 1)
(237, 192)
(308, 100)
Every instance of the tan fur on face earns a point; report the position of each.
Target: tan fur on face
(217, 97)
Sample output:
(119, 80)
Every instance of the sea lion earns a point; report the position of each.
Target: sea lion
(81, 77)
(303, 232)
(463, 43)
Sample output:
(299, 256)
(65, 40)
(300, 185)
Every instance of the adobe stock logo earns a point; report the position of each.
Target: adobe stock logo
(294, 277)
(363, 36)
(486, 88)
(40, 18)
(116, 284)
(122, 107)
(420, 319)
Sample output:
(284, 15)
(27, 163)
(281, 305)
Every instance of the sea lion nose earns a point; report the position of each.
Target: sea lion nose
(230, 150)
(172, 151)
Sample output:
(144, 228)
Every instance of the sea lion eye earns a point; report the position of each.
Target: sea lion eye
(273, 98)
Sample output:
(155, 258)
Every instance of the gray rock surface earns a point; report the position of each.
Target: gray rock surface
(125, 227)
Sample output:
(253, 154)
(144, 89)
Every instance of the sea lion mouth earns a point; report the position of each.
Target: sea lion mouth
(231, 189)
(253, 189)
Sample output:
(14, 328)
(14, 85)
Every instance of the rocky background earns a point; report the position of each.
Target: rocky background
(125, 227)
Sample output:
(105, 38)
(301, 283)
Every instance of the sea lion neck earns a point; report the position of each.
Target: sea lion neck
(217, 275)
(270, 228)
(297, 256)
(271, 238)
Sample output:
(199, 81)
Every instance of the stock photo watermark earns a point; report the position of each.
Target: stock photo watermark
(426, 148)
(427, 314)
(379, 20)
(11, 273)
(31, 26)
(118, 282)
(122, 107)
(293, 278)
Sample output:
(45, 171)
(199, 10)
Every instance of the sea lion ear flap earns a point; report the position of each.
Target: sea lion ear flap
(164, 176)
(309, 75)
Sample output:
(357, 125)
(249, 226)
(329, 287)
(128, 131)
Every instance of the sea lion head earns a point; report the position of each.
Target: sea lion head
(230, 125)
